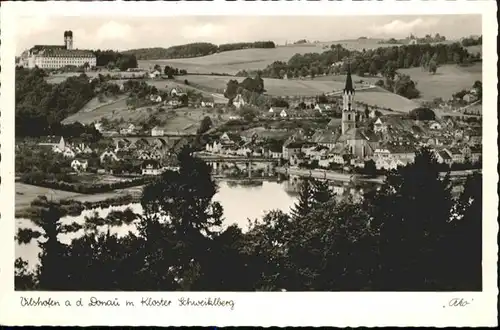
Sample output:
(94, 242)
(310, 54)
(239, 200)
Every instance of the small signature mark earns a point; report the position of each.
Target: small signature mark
(458, 302)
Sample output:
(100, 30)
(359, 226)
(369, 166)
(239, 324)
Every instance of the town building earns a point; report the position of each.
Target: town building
(151, 167)
(58, 56)
(79, 165)
(108, 155)
(130, 129)
(391, 156)
(238, 101)
(443, 157)
(63, 148)
(157, 131)
(207, 103)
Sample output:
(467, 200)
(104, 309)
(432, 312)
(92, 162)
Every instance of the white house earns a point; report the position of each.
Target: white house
(283, 114)
(443, 157)
(99, 127)
(176, 92)
(207, 103)
(391, 156)
(79, 165)
(155, 98)
(372, 114)
(215, 147)
(157, 131)
(128, 130)
(108, 154)
(83, 149)
(379, 126)
(174, 103)
(456, 155)
(322, 107)
(154, 74)
(151, 167)
(69, 153)
(435, 126)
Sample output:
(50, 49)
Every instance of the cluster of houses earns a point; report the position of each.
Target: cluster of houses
(173, 99)
(230, 144)
(154, 158)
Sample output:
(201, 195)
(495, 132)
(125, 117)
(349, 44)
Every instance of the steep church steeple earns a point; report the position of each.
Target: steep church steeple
(349, 88)
(348, 113)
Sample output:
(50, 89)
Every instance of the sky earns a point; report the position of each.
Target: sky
(127, 33)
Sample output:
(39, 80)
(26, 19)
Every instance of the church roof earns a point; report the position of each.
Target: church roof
(326, 136)
(352, 134)
(349, 87)
(333, 123)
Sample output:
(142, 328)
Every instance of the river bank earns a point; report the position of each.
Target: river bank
(26, 193)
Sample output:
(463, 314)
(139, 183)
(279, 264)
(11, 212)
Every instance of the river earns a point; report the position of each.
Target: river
(240, 203)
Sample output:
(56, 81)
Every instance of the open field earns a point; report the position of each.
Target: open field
(233, 61)
(164, 84)
(448, 80)
(25, 193)
(60, 77)
(382, 98)
(186, 120)
(280, 87)
(254, 59)
(87, 115)
(277, 87)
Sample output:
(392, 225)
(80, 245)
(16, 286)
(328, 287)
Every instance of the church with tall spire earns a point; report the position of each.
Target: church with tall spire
(348, 139)
(349, 115)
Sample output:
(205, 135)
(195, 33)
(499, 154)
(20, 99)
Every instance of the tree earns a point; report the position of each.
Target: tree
(422, 114)
(478, 86)
(406, 87)
(432, 67)
(304, 201)
(367, 111)
(390, 70)
(411, 214)
(231, 89)
(248, 113)
(373, 70)
(179, 214)
(370, 168)
(46, 217)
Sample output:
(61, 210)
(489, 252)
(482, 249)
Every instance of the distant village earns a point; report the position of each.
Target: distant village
(359, 136)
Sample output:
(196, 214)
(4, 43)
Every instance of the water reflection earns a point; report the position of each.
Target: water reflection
(241, 203)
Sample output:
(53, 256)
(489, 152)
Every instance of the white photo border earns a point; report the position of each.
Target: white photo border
(260, 309)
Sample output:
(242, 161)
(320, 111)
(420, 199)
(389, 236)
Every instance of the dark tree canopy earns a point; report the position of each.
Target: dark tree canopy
(422, 114)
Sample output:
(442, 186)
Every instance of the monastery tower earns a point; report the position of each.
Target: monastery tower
(68, 40)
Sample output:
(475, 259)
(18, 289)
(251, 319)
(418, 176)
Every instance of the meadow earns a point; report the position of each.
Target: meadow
(26, 193)
(448, 80)
(313, 87)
